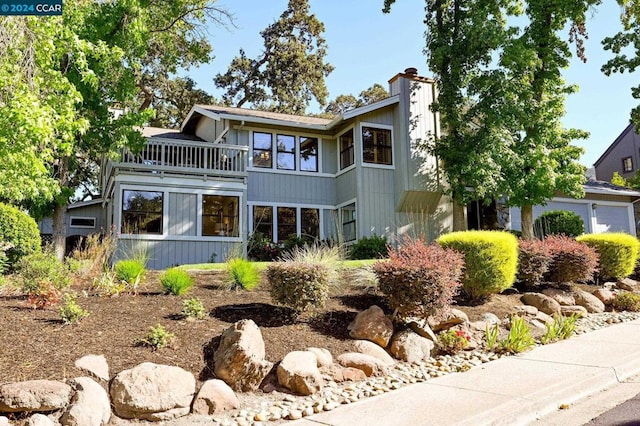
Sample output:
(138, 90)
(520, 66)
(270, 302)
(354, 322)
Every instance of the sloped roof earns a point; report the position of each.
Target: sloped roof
(630, 127)
(602, 187)
(244, 112)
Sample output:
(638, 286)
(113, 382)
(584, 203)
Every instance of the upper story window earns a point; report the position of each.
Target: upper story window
(346, 149)
(262, 147)
(627, 164)
(308, 154)
(286, 159)
(376, 145)
(290, 152)
(220, 216)
(142, 212)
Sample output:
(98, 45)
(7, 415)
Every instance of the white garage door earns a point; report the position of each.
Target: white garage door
(611, 219)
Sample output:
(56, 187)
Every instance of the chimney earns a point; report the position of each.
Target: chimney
(411, 72)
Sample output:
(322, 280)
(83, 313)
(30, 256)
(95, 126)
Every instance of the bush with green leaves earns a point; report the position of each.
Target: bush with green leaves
(261, 248)
(490, 260)
(571, 261)
(157, 337)
(560, 329)
(626, 301)
(420, 279)
(21, 231)
(617, 253)
(176, 281)
(130, 270)
(242, 274)
(70, 311)
(193, 308)
(299, 285)
(558, 222)
(534, 259)
(43, 277)
(374, 247)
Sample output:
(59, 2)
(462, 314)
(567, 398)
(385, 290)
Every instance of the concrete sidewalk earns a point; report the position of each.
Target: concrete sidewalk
(510, 391)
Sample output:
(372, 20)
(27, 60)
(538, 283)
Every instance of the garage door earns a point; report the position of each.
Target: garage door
(611, 219)
(581, 209)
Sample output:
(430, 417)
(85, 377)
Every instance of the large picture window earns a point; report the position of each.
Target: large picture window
(376, 145)
(220, 216)
(309, 154)
(262, 149)
(142, 212)
(310, 223)
(346, 149)
(286, 223)
(286, 159)
(348, 215)
(263, 221)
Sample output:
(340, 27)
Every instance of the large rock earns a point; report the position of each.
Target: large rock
(627, 284)
(589, 301)
(451, 319)
(95, 365)
(562, 297)
(152, 392)
(239, 359)
(371, 366)
(542, 302)
(90, 404)
(215, 396)
(40, 420)
(409, 346)
(423, 329)
(298, 372)
(4, 421)
(34, 395)
(369, 348)
(339, 374)
(323, 356)
(372, 324)
(579, 311)
(605, 295)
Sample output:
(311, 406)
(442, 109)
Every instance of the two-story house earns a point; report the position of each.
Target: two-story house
(622, 156)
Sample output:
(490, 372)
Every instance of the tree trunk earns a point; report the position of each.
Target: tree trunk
(459, 217)
(526, 219)
(60, 212)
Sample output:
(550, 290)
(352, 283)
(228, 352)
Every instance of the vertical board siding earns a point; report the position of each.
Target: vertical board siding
(95, 211)
(329, 155)
(285, 188)
(383, 116)
(183, 211)
(345, 186)
(376, 207)
(421, 166)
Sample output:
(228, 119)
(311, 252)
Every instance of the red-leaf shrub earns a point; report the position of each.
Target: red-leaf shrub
(534, 259)
(571, 260)
(418, 279)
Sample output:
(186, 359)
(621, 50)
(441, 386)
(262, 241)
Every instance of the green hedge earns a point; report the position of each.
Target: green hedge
(558, 222)
(618, 253)
(491, 260)
(21, 231)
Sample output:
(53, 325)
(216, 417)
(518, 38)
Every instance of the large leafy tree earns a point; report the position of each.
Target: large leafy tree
(290, 71)
(173, 99)
(343, 103)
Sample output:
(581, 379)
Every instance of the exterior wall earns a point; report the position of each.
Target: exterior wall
(210, 130)
(375, 210)
(91, 211)
(345, 186)
(290, 188)
(627, 145)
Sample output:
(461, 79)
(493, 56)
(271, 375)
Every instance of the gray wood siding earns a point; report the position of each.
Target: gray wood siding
(376, 212)
(329, 217)
(290, 188)
(346, 186)
(183, 212)
(329, 155)
(96, 211)
(382, 116)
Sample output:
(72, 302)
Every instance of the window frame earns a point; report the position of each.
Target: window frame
(291, 153)
(341, 208)
(234, 219)
(269, 151)
(280, 225)
(341, 151)
(275, 151)
(316, 155)
(624, 167)
(384, 127)
(161, 213)
(92, 218)
(298, 217)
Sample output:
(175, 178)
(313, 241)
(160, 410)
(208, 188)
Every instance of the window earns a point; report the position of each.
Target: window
(310, 223)
(286, 223)
(220, 216)
(142, 212)
(263, 221)
(627, 164)
(83, 222)
(376, 145)
(309, 154)
(262, 144)
(346, 149)
(286, 159)
(348, 215)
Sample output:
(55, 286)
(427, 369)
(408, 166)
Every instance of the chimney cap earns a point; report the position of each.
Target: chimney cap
(411, 71)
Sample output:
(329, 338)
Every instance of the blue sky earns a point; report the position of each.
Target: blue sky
(366, 46)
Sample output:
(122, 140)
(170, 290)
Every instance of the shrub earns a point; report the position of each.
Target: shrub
(560, 329)
(193, 308)
(374, 247)
(490, 260)
(3, 256)
(299, 285)
(156, 338)
(108, 284)
(130, 271)
(558, 222)
(617, 253)
(570, 260)
(43, 277)
(95, 252)
(261, 248)
(453, 341)
(176, 281)
(70, 311)
(518, 340)
(626, 301)
(21, 231)
(242, 274)
(534, 259)
(419, 279)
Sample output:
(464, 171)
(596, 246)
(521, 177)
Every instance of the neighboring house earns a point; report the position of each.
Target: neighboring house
(622, 156)
(194, 195)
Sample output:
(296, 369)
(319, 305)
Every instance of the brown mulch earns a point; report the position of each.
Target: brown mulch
(35, 344)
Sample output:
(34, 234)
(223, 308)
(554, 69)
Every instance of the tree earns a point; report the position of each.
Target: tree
(290, 71)
(616, 179)
(174, 99)
(343, 103)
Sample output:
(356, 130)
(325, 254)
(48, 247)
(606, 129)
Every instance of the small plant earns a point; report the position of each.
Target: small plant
(492, 336)
(558, 222)
(626, 301)
(560, 329)
(157, 337)
(571, 260)
(94, 253)
(374, 247)
(242, 274)
(534, 259)
(453, 341)
(43, 277)
(70, 311)
(108, 284)
(131, 271)
(617, 253)
(176, 281)
(519, 338)
(193, 308)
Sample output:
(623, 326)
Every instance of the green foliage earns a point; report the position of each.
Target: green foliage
(157, 337)
(571, 261)
(626, 301)
(174, 99)
(242, 274)
(43, 277)
(193, 308)
(558, 222)
(261, 248)
(453, 341)
(374, 247)
(560, 329)
(492, 336)
(519, 338)
(616, 179)
(491, 259)
(95, 252)
(418, 279)
(70, 311)
(3, 257)
(617, 253)
(108, 284)
(534, 259)
(176, 281)
(344, 103)
(129, 270)
(20, 231)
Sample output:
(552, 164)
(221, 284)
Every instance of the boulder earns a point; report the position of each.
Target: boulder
(490, 318)
(215, 396)
(95, 365)
(589, 301)
(452, 318)
(371, 366)
(562, 297)
(372, 324)
(605, 295)
(239, 359)
(298, 372)
(90, 404)
(339, 374)
(580, 311)
(369, 348)
(542, 302)
(34, 395)
(627, 284)
(323, 356)
(4, 421)
(40, 420)
(152, 392)
(423, 329)
(409, 346)
(525, 310)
